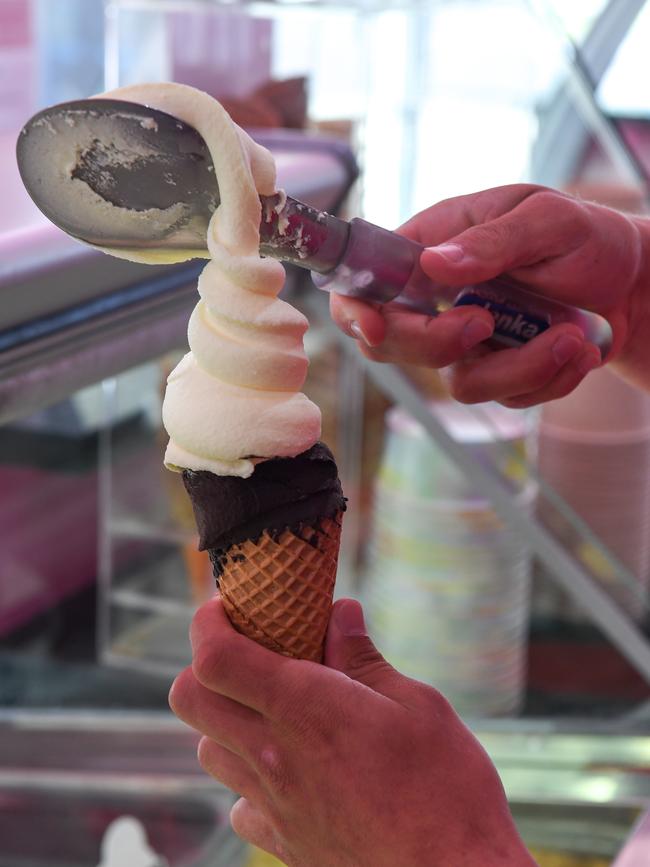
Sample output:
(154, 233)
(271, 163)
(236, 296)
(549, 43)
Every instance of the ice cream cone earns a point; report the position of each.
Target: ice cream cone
(278, 589)
(273, 540)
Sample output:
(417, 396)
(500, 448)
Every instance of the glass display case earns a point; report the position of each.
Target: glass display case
(502, 556)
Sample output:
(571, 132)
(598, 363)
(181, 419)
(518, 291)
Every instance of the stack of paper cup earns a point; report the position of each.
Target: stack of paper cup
(594, 451)
(448, 583)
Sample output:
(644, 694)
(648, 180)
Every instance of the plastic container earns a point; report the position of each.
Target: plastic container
(594, 451)
(415, 465)
(448, 583)
(604, 410)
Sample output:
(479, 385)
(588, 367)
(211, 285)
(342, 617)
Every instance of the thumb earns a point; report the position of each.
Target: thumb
(527, 235)
(349, 649)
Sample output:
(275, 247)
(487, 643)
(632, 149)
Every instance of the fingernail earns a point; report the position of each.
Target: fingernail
(476, 331)
(453, 252)
(357, 332)
(589, 361)
(348, 617)
(565, 348)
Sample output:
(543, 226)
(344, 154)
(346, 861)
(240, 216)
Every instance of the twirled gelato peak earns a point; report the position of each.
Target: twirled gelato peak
(235, 398)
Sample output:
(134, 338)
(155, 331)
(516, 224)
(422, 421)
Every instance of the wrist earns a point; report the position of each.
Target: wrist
(633, 358)
(502, 848)
(641, 284)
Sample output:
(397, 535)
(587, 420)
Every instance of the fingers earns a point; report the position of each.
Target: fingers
(549, 367)
(523, 230)
(452, 216)
(244, 745)
(232, 665)
(520, 233)
(412, 338)
(229, 768)
(509, 241)
(230, 724)
(358, 319)
(251, 825)
(563, 383)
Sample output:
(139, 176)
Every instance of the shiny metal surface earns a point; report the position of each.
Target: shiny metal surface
(71, 775)
(571, 767)
(75, 316)
(581, 794)
(124, 175)
(47, 361)
(578, 793)
(85, 162)
(576, 831)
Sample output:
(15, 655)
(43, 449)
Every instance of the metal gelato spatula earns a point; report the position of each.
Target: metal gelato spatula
(123, 175)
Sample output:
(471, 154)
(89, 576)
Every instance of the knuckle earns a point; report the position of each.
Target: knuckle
(580, 225)
(208, 661)
(519, 402)
(440, 346)
(241, 821)
(544, 198)
(526, 191)
(274, 770)
(462, 388)
(439, 707)
(493, 237)
(205, 754)
(572, 214)
(366, 662)
(439, 358)
(179, 697)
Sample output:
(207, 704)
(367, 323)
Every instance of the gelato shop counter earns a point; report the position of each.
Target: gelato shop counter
(97, 787)
(580, 799)
(502, 556)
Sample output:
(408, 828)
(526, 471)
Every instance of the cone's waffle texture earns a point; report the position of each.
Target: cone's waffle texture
(273, 539)
(278, 588)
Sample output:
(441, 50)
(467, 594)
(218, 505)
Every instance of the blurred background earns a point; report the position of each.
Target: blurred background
(502, 556)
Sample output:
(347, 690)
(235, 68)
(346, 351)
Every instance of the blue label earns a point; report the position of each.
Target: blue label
(513, 326)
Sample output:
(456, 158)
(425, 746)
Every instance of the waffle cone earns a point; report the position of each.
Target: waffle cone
(277, 589)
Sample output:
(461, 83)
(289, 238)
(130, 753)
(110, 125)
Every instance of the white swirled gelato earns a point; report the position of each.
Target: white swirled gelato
(235, 398)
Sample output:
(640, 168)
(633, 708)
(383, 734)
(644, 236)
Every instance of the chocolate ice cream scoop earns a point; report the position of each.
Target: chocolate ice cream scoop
(281, 493)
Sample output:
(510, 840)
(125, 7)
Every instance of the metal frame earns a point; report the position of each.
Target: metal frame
(568, 573)
(562, 128)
